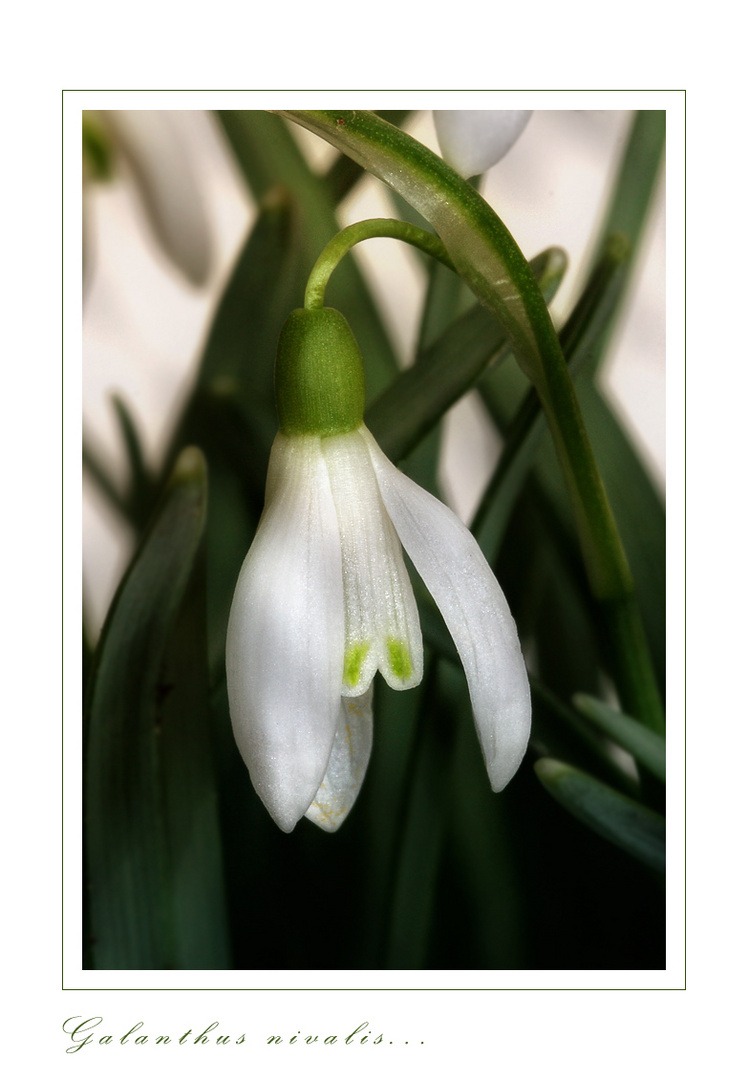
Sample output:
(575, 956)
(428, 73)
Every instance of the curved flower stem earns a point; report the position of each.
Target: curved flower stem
(489, 260)
(343, 241)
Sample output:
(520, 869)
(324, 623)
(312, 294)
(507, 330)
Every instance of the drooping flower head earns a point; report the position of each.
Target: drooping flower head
(324, 599)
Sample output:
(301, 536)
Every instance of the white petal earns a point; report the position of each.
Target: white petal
(475, 611)
(382, 620)
(284, 647)
(154, 149)
(472, 140)
(349, 758)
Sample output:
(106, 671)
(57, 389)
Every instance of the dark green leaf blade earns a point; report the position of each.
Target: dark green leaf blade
(420, 396)
(640, 514)
(646, 747)
(194, 848)
(130, 897)
(524, 433)
(232, 409)
(268, 154)
(622, 821)
(632, 192)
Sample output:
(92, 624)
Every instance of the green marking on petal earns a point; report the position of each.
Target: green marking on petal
(355, 656)
(400, 658)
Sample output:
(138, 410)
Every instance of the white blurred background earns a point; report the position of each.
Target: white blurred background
(144, 325)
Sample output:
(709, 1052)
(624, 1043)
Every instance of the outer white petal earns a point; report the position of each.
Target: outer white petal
(284, 648)
(472, 140)
(475, 611)
(349, 758)
(168, 185)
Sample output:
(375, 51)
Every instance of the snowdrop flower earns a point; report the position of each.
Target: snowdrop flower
(324, 599)
(472, 140)
(151, 145)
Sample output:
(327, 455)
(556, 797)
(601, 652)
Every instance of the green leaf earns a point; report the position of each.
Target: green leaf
(632, 191)
(640, 515)
(440, 307)
(135, 501)
(189, 785)
(232, 409)
(152, 845)
(141, 484)
(622, 821)
(523, 434)
(479, 244)
(101, 475)
(533, 532)
(421, 395)
(645, 746)
(268, 155)
(421, 836)
(560, 732)
(480, 845)
(637, 507)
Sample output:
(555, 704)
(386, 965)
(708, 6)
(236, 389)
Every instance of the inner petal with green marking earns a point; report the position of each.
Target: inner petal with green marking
(381, 619)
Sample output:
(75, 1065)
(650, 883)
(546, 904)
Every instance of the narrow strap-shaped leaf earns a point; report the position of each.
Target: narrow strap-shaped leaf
(135, 502)
(189, 787)
(266, 150)
(560, 732)
(139, 472)
(480, 839)
(129, 862)
(95, 468)
(442, 300)
(422, 834)
(630, 200)
(232, 407)
(640, 514)
(421, 395)
(632, 191)
(141, 485)
(580, 334)
(632, 827)
(637, 506)
(646, 747)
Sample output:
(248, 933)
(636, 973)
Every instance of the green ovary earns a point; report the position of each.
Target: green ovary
(353, 659)
(400, 658)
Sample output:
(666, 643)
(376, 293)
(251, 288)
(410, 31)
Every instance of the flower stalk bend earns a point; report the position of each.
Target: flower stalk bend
(487, 257)
(343, 241)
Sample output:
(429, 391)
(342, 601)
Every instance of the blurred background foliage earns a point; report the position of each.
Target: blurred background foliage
(565, 869)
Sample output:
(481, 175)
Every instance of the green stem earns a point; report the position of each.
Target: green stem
(581, 332)
(369, 229)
